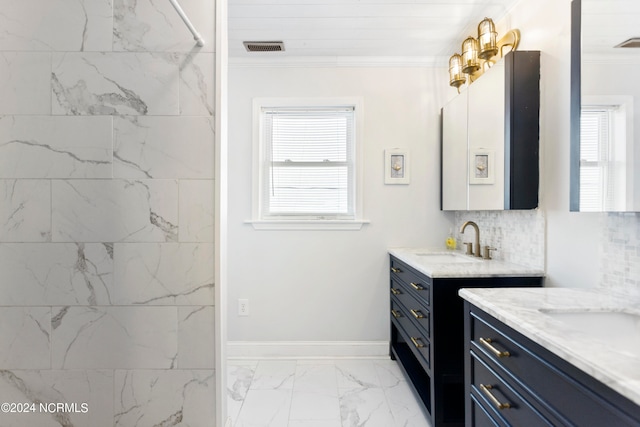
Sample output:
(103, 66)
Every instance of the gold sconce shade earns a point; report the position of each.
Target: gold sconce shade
(470, 62)
(487, 35)
(456, 77)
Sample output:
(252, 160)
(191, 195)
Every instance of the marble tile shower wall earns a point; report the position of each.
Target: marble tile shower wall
(621, 253)
(518, 236)
(106, 212)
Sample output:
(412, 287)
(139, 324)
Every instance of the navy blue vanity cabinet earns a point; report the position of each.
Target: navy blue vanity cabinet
(427, 335)
(513, 381)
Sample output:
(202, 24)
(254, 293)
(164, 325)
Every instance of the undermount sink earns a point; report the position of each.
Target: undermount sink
(447, 258)
(618, 330)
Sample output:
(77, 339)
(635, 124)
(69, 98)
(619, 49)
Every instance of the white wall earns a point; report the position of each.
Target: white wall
(333, 285)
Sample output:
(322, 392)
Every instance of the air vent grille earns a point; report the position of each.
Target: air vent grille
(264, 46)
(631, 43)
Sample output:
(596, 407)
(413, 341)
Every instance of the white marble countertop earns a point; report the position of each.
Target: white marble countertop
(607, 348)
(464, 265)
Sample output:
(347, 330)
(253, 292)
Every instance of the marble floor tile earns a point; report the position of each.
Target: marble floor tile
(374, 393)
(239, 377)
(265, 408)
(315, 378)
(404, 406)
(389, 373)
(357, 374)
(315, 423)
(274, 375)
(315, 405)
(364, 408)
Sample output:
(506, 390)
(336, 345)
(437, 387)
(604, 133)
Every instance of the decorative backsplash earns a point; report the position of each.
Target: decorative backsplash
(518, 236)
(620, 249)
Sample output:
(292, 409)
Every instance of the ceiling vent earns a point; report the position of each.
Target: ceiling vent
(633, 42)
(264, 46)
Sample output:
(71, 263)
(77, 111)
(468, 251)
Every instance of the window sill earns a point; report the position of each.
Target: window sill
(308, 224)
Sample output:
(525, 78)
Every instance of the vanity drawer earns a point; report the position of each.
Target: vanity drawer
(417, 342)
(555, 387)
(501, 401)
(412, 307)
(418, 284)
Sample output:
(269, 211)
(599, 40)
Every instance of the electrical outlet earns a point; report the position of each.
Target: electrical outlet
(243, 307)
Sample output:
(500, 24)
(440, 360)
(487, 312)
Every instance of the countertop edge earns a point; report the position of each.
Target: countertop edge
(559, 344)
(475, 268)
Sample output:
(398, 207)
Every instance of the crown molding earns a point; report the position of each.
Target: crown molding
(338, 61)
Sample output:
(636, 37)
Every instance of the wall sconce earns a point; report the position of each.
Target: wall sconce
(456, 76)
(470, 62)
(487, 39)
(478, 54)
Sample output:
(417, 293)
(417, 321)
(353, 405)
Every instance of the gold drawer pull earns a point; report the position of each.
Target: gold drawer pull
(416, 342)
(417, 314)
(487, 343)
(396, 314)
(486, 389)
(396, 270)
(416, 286)
(395, 291)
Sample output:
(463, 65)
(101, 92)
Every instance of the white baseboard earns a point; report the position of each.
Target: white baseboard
(307, 349)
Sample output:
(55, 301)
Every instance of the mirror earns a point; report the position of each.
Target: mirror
(490, 138)
(605, 117)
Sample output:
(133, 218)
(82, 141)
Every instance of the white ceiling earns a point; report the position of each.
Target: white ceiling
(607, 23)
(431, 30)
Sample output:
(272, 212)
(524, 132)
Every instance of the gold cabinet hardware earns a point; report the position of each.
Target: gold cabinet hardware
(395, 291)
(416, 342)
(487, 391)
(416, 286)
(396, 270)
(487, 343)
(417, 314)
(396, 314)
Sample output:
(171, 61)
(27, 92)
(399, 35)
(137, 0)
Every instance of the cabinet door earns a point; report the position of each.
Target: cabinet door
(486, 122)
(454, 154)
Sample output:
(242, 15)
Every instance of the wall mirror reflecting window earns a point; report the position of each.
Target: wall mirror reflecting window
(605, 106)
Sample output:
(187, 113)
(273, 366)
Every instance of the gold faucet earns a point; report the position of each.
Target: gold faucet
(469, 248)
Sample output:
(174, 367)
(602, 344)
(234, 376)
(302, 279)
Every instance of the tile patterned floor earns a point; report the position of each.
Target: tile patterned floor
(321, 393)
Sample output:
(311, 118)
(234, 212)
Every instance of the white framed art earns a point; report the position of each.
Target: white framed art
(396, 166)
(482, 170)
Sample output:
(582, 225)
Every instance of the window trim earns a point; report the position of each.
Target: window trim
(298, 223)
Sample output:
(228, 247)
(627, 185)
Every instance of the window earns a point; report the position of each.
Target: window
(307, 163)
(602, 157)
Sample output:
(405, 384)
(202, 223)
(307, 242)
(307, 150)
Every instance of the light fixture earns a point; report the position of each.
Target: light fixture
(456, 76)
(470, 62)
(487, 39)
(478, 54)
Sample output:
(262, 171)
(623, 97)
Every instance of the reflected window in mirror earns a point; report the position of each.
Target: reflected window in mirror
(603, 157)
(605, 151)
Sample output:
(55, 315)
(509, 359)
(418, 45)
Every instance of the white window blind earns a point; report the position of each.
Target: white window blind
(597, 189)
(308, 165)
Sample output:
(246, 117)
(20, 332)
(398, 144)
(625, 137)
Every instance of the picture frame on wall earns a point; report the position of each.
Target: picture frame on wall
(396, 166)
(482, 170)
